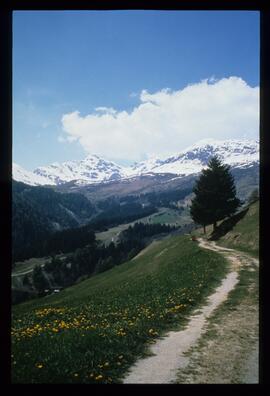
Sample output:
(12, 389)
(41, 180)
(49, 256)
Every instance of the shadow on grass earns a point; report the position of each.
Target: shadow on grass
(227, 225)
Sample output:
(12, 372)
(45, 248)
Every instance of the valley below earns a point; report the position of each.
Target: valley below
(120, 317)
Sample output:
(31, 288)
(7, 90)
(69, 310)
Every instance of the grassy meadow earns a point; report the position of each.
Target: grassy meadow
(94, 331)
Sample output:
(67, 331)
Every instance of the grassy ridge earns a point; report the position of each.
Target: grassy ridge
(245, 235)
(92, 332)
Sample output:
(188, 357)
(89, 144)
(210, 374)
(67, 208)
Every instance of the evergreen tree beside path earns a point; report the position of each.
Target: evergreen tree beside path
(215, 195)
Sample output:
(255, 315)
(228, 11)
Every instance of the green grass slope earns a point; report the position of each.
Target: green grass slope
(245, 234)
(94, 331)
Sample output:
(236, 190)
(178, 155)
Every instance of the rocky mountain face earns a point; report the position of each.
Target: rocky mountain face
(95, 170)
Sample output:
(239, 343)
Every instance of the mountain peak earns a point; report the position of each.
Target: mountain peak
(219, 143)
(92, 157)
(94, 169)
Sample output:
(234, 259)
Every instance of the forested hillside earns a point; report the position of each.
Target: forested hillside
(37, 212)
(41, 217)
(84, 256)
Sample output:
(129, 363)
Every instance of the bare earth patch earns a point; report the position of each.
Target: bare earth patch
(223, 351)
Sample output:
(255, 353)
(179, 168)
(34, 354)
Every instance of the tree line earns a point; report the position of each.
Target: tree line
(95, 258)
(115, 213)
(37, 212)
(140, 231)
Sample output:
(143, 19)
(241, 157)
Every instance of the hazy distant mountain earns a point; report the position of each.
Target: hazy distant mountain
(93, 169)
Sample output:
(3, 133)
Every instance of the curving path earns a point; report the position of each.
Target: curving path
(169, 352)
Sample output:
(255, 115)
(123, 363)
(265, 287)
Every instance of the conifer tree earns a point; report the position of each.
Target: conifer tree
(40, 282)
(215, 194)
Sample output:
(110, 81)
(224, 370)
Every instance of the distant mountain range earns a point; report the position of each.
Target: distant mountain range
(94, 169)
(74, 193)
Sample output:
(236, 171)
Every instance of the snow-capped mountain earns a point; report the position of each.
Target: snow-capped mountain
(93, 169)
(236, 153)
(28, 177)
(145, 166)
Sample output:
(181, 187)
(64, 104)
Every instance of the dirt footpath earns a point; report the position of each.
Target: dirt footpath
(223, 350)
(228, 352)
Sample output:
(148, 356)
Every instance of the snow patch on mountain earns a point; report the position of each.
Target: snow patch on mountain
(236, 153)
(22, 175)
(93, 169)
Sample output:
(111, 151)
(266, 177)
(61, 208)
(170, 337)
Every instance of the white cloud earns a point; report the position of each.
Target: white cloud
(106, 110)
(61, 139)
(168, 121)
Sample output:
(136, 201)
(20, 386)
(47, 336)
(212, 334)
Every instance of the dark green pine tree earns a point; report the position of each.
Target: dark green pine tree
(39, 280)
(215, 195)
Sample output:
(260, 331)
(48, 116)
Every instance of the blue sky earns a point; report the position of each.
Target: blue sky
(77, 61)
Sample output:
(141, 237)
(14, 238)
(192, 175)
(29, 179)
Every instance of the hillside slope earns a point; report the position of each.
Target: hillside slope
(245, 234)
(37, 212)
(94, 331)
(240, 232)
(228, 351)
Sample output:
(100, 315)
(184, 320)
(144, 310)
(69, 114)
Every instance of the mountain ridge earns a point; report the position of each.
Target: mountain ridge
(93, 169)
